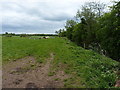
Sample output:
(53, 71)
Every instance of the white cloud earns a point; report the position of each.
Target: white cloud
(38, 16)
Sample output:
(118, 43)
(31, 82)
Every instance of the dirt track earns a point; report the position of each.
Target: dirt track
(26, 73)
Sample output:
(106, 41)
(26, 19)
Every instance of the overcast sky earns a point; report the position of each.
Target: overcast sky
(38, 16)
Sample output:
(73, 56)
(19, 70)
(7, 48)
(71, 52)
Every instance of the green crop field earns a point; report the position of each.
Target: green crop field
(86, 68)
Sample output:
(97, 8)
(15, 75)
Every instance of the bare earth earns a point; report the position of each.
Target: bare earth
(26, 73)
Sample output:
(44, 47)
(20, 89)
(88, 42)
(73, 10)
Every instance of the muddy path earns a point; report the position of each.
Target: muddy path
(27, 73)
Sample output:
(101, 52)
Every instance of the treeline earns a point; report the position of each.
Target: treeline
(25, 35)
(96, 29)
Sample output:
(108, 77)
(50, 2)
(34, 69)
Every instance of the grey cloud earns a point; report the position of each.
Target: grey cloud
(31, 19)
(37, 17)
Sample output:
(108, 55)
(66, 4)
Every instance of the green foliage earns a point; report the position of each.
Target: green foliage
(98, 71)
(70, 23)
(109, 32)
(69, 28)
(96, 30)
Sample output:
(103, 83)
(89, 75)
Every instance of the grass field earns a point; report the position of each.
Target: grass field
(87, 68)
(0, 51)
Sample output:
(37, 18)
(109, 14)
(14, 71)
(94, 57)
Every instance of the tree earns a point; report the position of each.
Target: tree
(87, 17)
(96, 30)
(70, 24)
(6, 33)
(108, 34)
(69, 28)
(56, 32)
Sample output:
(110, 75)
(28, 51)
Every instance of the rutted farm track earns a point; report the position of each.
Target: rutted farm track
(27, 73)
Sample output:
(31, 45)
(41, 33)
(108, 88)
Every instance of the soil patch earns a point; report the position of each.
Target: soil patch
(26, 73)
(117, 83)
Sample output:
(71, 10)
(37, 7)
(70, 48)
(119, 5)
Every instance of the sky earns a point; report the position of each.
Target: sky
(38, 16)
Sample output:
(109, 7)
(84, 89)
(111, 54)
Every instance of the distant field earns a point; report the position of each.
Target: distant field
(87, 68)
